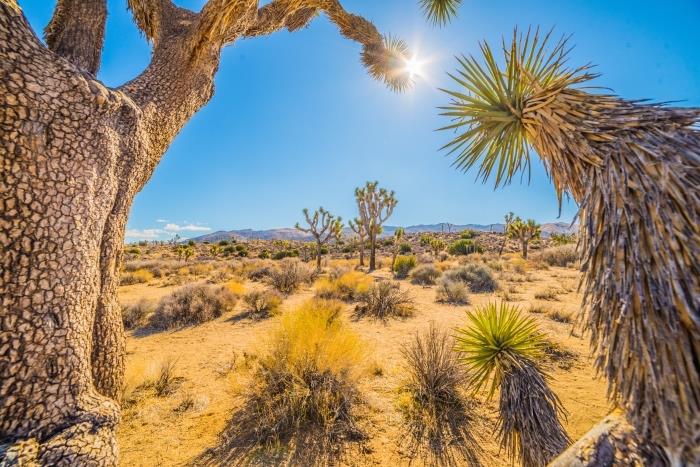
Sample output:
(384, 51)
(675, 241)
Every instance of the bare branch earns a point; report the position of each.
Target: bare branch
(76, 32)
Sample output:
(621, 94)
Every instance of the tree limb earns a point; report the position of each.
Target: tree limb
(76, 32)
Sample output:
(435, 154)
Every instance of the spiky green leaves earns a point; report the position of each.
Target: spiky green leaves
(489, 106)
(497, 339)
(440, 11)
(387, 61)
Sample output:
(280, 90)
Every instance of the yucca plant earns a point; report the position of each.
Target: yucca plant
(440, 11)
(500, 346)
(633, 168)
(524, 232)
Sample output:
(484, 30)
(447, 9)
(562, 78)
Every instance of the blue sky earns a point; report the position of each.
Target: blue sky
(296, 122)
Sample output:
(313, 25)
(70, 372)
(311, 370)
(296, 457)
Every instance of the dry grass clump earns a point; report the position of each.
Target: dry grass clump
(167, 381)
(140, 276)
(561, 316)
(550, 294)
(304, 390)
(452, 292)
(425, 274)
(403, 265)
(263, 303)
(347, 286)
(289, 275)
(432, 400)
(478, 277)
(384, 300)
(501, 347)
(191, 305)
(236, 287)
(144, 380)
(563, 256)
(135, 316)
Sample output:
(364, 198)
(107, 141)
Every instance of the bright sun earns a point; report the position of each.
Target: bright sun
(414, 67)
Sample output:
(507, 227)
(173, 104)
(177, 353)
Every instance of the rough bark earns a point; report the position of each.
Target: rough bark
(73, 154)
(525, 244)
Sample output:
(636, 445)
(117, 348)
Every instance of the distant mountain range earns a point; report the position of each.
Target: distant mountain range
(294, 234)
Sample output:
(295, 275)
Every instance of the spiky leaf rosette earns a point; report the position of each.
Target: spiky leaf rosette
(440, 11)
(634, 169)
(501, 344)
(386, 61)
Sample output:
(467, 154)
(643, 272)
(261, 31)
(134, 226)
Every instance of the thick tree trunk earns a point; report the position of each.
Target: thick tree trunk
(318, 256)
(372, 253)
(362, 252)
(73, 154)
(525, 248)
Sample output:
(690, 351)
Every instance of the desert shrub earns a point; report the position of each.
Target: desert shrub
(432, 399)
(478, 277)
(425, 274)
(562, 239)
(404, 248)
(260, 273)
(285, 254)
(453, 292)
(134, 250)
(219, 276)
(305, 388)
(562, 256)
(263, 302)
(548, 294)
(264, 254)
(403, 265)
(289, 275)
(167, 381)
(347, 286)
(191, 305)
(560, 316)
(134, 316)
(140, 276)
(501, 347)
(467, 234)
(464, 246)
(235, 287)
(383, 300)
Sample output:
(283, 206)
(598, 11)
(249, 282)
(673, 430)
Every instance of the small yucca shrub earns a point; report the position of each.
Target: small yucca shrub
(305, 388)
(385, 299)
(425, 274)
(432, 399)
(500, 346)
(478, 277)
(403, 265)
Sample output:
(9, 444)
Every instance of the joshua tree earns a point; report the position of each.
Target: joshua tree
(74, 154)
(324, 227)
(524, 232)
(375, 206)
(358, 227)
(437, 245)
(502, 345)
(634, 170)
(509, 218)
(398, 236)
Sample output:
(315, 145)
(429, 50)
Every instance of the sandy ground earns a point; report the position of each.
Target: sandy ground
(155, 433)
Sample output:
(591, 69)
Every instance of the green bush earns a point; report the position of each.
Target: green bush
(285, 254)
(467, 234)
(403, 265)
(478, 277)
(464, 246)
(404, 248)
(265, 254)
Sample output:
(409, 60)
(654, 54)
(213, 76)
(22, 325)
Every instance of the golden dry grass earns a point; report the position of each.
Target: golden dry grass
(215, 358)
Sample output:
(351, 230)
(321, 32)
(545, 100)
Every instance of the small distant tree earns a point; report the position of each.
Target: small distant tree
(399, 233)
(323, 226)
(437, 245)
(376, 206)
(509, 218)
(524, 232)
(359, 228)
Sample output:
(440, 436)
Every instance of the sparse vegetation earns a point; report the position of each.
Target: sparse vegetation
(347, 286)
(464, 246)
(263, 303)
(191, 305)
(478, 277)
(289, 275)
(425, 274)
(500, 347)
(403, 265)
(305, 388)
(433, 402)
(385, 300)
(450, 291)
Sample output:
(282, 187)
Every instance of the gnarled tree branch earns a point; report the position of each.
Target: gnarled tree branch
(76, 32)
